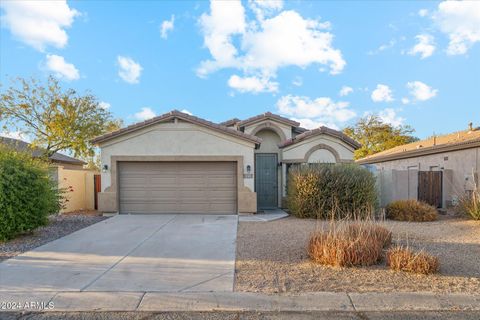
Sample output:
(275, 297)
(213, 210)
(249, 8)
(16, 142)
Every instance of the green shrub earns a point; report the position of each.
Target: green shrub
(469, 204)
(27, 195)
(331, 191)
(410, 210)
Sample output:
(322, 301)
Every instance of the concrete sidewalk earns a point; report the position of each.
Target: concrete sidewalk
(237, 301)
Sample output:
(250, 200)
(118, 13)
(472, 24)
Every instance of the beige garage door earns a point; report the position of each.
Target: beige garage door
(178, 187)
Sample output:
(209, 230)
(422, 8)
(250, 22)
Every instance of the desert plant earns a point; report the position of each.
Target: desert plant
(411, 210)
(469, 203)
(331, 191)
(403, 259)
(349, 244)
(27, 194)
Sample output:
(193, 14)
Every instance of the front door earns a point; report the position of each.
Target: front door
(266, 180)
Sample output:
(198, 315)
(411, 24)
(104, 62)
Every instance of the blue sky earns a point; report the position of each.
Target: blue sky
(413, 62)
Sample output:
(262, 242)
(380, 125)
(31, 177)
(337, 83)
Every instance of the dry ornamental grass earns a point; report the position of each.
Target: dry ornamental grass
(349, 244)
(404, 259)
(411, 210)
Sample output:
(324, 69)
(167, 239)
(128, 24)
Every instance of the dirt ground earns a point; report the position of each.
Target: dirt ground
(272, 257)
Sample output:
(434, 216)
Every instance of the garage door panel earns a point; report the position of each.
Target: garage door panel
(177, 187)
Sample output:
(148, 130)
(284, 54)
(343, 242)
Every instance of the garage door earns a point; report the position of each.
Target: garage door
(178, 187)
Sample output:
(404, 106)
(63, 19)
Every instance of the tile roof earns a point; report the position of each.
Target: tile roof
(37, 152)
(180, 115)
(229, 122)
(435, 144)
(319, 131)
(269, 115)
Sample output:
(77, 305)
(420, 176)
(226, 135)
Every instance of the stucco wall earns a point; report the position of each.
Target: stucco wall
(79, 188)
(458, 167)
(181, 141)
(172, 139)
(257, 126)
(297, 151)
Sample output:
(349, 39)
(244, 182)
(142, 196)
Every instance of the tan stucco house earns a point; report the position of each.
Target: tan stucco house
(178, 163)
(437, 170)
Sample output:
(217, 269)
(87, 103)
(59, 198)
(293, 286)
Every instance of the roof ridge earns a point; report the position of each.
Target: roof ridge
(176, 113)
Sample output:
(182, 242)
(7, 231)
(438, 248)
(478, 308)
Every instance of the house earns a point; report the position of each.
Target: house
(67, 172)
(178, 163)
(437, 170)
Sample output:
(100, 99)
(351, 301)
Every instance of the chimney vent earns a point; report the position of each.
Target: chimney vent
(470, 126)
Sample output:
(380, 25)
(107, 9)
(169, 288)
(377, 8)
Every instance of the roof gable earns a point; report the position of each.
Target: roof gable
(268, 116)
(319, 131)
(179, 115)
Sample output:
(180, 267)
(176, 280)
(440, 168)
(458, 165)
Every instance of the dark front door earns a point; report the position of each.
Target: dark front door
(430, 187)
(266, 180)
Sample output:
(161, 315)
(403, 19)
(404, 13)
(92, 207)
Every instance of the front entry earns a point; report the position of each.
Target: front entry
(266, 180)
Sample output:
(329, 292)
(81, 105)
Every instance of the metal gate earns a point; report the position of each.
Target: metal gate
(266, 180)
(430, 187)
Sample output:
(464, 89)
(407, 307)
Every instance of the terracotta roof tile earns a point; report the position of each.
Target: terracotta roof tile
(322, 130)
(23, 146)
(180, 115)
(433, 144)
(268, 115)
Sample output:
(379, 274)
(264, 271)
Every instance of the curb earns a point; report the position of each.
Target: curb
(234, 301)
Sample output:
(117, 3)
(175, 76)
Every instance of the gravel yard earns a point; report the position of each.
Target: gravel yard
(272, 257)
(58, 227)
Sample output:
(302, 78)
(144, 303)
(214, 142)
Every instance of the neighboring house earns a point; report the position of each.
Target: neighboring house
(69, 174)
(437, 170)
(178, 163)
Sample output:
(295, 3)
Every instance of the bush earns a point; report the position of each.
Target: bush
(469, 204)
(27, 195)
(331, 191)
(351, 244)
(404, 259)
(410, 210)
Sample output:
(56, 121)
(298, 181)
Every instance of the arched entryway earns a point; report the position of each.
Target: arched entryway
(267, 170)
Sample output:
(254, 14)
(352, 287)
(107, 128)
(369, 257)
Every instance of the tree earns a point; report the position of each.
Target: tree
(54, 118)
(375, 135)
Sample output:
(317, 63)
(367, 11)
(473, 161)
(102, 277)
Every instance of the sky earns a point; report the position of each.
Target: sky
(318, 62)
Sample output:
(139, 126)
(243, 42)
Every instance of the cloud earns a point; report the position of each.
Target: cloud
(405, 100)
(61, 68)
(382, 94)
(252, 84)
(314, 124)
(460, 21)
(262, 45)
(187, 112)
(263, 8)
(16, 135)
(383, 47)
(130, 70)
(423, 12)
(312, 112)
(345, 91)
(390, 116)
(104, 105)
(145, 114)
(420, 91)
(297, 82)
(39, 23)
(425, 46)
(166, 27)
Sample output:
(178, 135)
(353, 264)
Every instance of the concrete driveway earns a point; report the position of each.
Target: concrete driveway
(166, 253)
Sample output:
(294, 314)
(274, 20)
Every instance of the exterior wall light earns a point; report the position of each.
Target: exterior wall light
(105, 168)
(249, 168)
